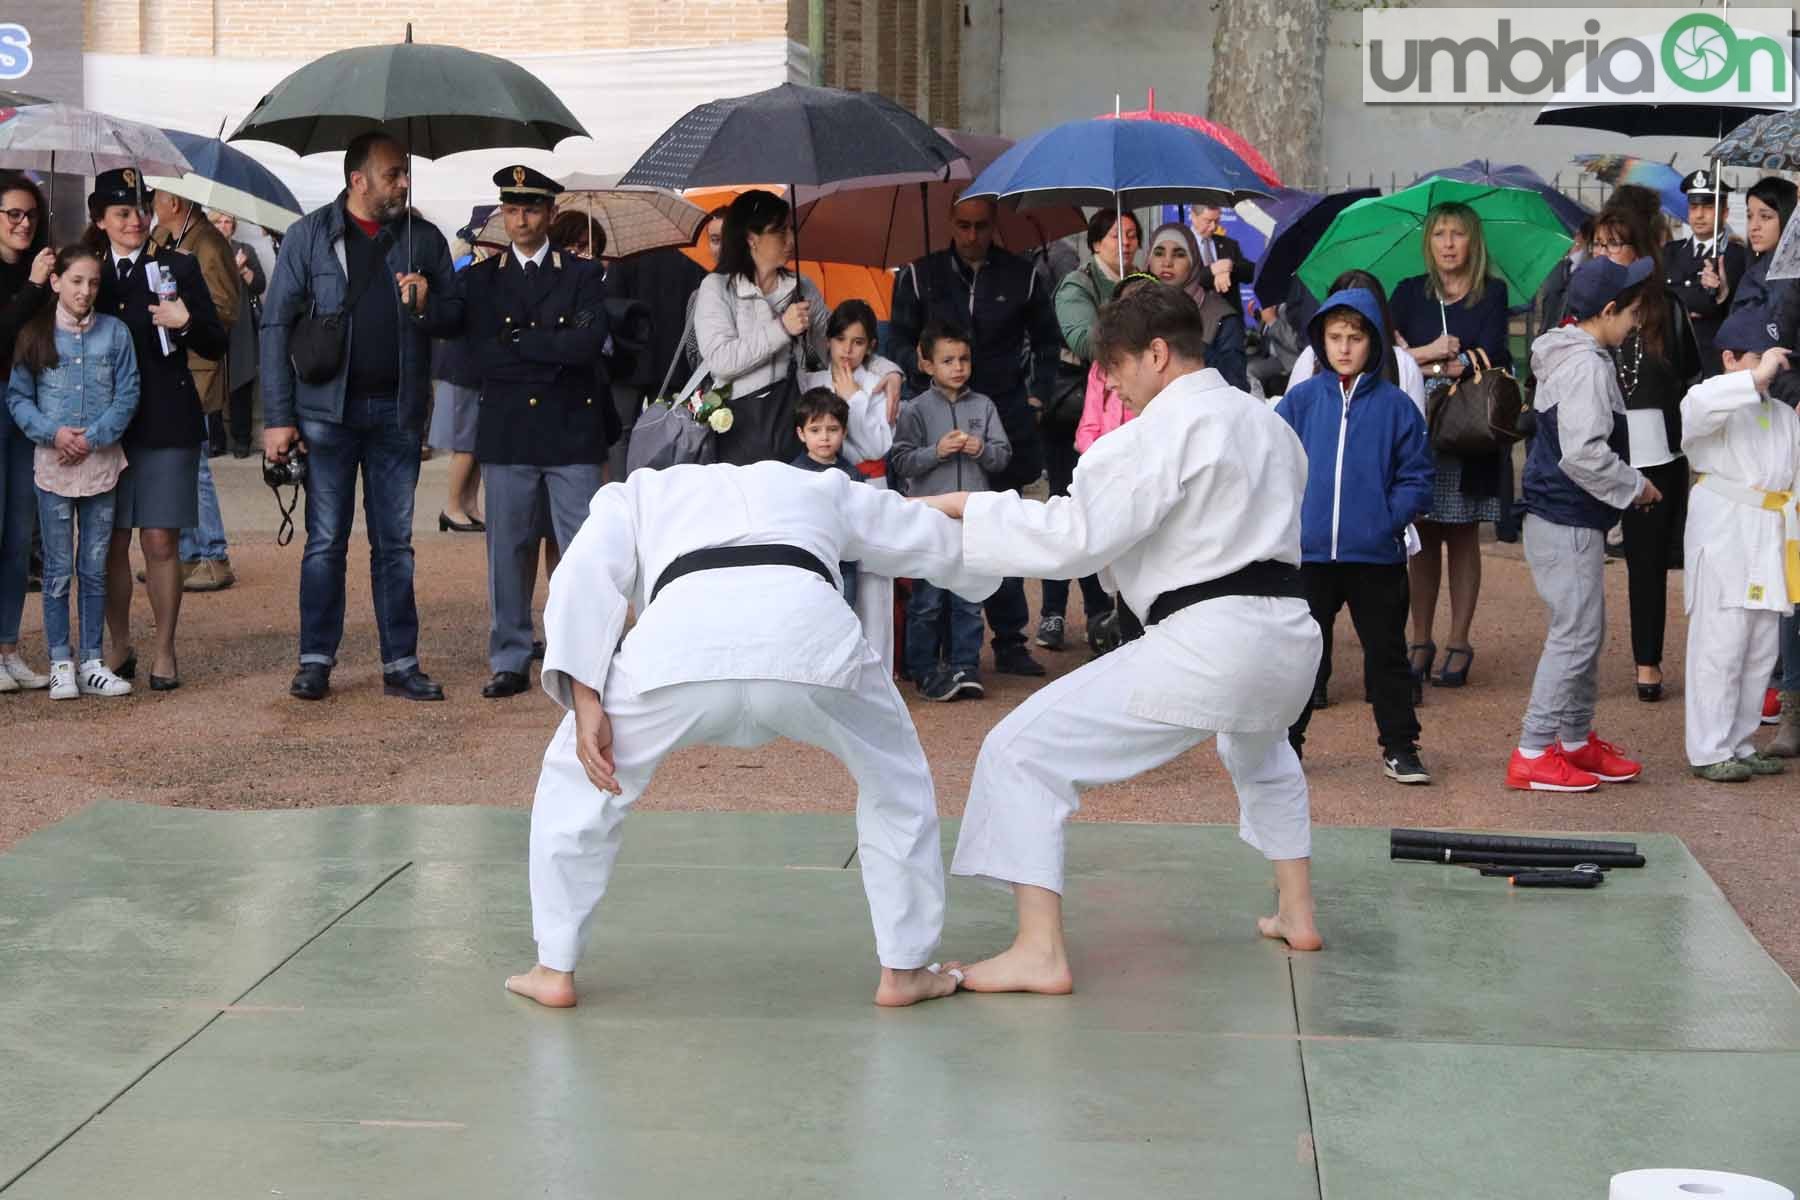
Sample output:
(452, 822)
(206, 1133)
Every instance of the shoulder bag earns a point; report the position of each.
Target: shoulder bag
(316, 346)
(1479, 413)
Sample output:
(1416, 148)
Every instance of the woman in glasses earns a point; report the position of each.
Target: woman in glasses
(25, 262)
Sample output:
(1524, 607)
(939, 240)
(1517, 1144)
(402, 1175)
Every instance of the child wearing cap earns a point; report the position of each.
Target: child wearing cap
(1576, 484)
(1741, 574)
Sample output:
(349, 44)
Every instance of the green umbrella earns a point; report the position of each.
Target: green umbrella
(1384, 234)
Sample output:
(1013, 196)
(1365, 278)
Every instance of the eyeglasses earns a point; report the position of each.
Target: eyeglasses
(19, 216)
(1608, 247)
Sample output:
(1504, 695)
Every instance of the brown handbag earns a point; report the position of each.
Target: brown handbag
(1479, 413)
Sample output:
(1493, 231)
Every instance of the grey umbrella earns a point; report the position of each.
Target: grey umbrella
(79, 141)
(436, 100)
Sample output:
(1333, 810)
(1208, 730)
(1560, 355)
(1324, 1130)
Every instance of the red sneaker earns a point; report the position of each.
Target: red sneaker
(1605, 761)
(1550, 771)
(1771, 707)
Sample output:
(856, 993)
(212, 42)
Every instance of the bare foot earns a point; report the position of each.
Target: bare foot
(901, 988)
(1019, 969)
(552, 989)
(1298, 931)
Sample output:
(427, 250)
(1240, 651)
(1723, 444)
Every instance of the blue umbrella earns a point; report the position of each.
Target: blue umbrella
(223, 177)
(1301, 218)
(1515, 175)
(1118, 164)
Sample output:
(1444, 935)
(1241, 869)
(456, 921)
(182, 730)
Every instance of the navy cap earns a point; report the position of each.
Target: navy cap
(522, 185)
(1598, 281)
(123, 185)
(1747, 331)
(1702, 183)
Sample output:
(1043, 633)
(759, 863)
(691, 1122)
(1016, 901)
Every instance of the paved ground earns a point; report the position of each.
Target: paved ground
(308, 1005)
(232, 739)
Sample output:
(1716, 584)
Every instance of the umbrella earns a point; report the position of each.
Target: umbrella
(1768, 142)
(880, 223)
(813, 136)
(225, 178)
(1668, 111)
(1230, 138)
(19, 99)
(62, 137)
(1660, 177)
(1382, 235)
(1301, 219)
(436, 100)
(1515, 175)
(635, 219)
(837, 281)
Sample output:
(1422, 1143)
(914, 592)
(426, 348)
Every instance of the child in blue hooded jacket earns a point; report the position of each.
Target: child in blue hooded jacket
(1369, 475)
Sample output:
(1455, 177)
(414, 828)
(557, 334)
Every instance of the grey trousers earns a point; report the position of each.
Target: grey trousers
(629, 401)
(1568, 565)
(518, 499)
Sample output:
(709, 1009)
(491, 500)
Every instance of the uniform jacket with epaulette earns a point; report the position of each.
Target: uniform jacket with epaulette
(537, 346)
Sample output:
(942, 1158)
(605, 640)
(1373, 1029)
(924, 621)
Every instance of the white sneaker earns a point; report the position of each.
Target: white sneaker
(7, 682)
(96, 680)
(62, 681)
(14, 670)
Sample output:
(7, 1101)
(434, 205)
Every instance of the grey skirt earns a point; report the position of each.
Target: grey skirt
(160, 489)
(453, 412)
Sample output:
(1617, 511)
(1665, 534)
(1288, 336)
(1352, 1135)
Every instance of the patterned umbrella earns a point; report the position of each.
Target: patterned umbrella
(1660, 177)
(1769, 143)
(1230, 138)
(635, 219)
(79, 141)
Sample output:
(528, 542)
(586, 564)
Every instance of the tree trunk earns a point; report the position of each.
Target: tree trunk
(1268, 82)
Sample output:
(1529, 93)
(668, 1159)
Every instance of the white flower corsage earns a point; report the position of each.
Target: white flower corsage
(713, 411)
(720, 420)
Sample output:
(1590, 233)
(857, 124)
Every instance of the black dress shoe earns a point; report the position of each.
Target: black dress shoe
(413, 685)
(446, 525)
(506, 683)
(241, 451)
(1017, 662)
(311, 682)
(162, 683)
(128, 668)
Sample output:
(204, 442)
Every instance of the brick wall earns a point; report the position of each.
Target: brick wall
(908, 50)
(299, 28)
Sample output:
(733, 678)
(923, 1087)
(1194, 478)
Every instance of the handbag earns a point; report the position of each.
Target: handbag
(666, 433)
(762, 422)
(1062, 415)
(1479, 413)
(316, 345)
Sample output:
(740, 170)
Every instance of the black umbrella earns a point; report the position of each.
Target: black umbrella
(1302, 218)
(436, 100)
(1653, 120)
(793, 134)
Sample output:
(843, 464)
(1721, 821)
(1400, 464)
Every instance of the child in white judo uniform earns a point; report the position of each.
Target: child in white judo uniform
(1741, 574)
(1193, 511)
(741, 637)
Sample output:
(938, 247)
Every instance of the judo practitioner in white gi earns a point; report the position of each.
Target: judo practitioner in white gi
(1739, 578)
(741, 637)
(1192, 512)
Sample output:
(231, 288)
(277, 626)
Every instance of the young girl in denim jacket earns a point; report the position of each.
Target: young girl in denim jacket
(73, 391)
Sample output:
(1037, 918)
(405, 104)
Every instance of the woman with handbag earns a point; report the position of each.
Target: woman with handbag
(1444, 316)
(1655, 365)
(757, 323)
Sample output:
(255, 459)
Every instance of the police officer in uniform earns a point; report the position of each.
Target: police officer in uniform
(1704, 269)
(536, 323)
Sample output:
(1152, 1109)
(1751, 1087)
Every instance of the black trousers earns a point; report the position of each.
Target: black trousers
(1379, 600)
(1059, 470)
(1653, 548)
(238, 408)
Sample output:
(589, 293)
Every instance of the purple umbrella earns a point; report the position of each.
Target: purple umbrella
(1515, 175)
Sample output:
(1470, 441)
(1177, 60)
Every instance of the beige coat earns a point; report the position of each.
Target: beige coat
(218, 265)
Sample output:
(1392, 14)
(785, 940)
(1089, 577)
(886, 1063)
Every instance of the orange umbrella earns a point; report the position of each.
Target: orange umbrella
(838, 281)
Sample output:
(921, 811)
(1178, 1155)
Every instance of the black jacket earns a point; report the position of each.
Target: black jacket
(1682, 262)
(1242, 269)
(1006, 310)
(20, 299)
(1779, 301)
(537, 347)
(663, 281)
(168, 412)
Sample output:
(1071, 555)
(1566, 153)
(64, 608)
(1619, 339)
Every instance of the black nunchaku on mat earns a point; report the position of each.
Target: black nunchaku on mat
(1523, 861)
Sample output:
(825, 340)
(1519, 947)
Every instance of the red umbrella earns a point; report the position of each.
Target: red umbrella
(1229, 138)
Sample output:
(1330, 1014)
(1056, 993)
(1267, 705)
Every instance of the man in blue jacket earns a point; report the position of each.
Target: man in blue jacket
(1369, 475)
(388, 273)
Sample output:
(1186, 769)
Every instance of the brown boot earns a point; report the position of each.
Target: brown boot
(1787, 738)
(209, 575)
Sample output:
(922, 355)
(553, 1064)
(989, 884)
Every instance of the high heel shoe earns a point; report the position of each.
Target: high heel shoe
(127, 668)
(446, 525)
(1457, 678)
(1420, 673)
(1650, 693)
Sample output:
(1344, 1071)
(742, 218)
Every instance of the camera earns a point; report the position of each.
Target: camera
(291, 473)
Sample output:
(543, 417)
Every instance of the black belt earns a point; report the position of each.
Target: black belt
(1266, 578)
(714, 558)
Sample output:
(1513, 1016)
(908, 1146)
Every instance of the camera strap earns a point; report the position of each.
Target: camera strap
(285, 535)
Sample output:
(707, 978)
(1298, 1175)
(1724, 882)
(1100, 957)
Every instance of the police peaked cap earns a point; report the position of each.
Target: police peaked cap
(123, 185)
(522, 185)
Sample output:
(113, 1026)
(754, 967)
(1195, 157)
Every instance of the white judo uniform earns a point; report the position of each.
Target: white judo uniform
(1207, 480)
(737, 657)
(1735, 582)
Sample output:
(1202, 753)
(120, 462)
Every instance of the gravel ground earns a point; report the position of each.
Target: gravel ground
(232, 739)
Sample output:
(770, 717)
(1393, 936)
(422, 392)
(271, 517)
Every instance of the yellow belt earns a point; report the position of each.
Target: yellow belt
(1781, 502)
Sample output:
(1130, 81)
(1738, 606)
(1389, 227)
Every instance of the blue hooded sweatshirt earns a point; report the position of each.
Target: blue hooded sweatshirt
(1369, 467)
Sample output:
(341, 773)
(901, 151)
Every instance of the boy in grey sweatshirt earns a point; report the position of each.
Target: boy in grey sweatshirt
(948, 439)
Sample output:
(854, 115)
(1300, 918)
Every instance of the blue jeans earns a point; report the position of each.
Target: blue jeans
(371, 439)
(18, 517)
(1225, 354)
(208, 540)
(1787, 665)
(941, 626)
(67, 559)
